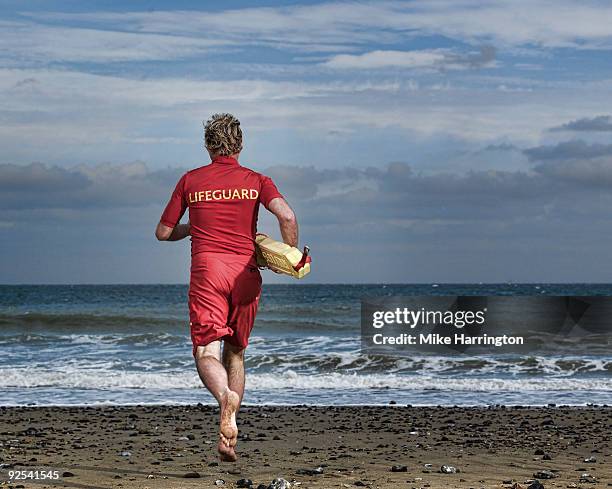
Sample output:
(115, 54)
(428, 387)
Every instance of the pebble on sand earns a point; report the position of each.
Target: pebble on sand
(535, 485)
(279, 483)
(544, 474)
(586, 477)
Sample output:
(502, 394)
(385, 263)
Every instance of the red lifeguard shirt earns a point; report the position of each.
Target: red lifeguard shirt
(223, 200)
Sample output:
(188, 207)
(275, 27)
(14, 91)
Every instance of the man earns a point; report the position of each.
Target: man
(223, 200)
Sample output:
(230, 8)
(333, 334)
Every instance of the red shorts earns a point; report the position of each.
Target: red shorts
(224, 294)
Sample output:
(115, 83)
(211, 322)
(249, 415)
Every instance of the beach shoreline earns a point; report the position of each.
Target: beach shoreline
(316, 446)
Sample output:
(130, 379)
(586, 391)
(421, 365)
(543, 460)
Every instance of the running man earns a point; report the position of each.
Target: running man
(223, 198)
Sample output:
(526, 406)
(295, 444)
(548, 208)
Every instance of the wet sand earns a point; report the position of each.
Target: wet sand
(320, 447)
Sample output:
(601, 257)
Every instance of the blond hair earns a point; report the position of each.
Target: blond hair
(222, 135)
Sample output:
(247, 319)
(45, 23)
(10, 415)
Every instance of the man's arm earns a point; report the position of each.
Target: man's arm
(168, 228)
(286, 220)
(178, 232)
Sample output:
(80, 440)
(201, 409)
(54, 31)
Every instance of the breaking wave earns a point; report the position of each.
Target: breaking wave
(94, 378)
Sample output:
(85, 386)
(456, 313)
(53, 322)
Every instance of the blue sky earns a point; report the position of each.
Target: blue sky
(423, 141)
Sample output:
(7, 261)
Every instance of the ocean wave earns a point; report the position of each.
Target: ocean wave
(301, 325)
(71, 323)
(158, 339)
(315, 354)
(29, 378)
(474, 366)
(122, 323)
(310, 304)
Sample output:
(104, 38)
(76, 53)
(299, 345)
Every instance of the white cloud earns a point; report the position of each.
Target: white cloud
(426, 58)
(26, 89)
(386, 59)
(329, 26)
(43, 44)
(48, 111)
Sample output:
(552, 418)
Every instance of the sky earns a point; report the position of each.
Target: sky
(418, 141)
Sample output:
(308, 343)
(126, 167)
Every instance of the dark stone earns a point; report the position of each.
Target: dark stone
(399, 468)
(544, 474)
(535, 485)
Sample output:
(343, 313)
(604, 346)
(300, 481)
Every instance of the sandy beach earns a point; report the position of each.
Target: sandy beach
(322, 447)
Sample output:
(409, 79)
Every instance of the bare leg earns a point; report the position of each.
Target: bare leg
(214, 376)
(211, 370)
(233, 361)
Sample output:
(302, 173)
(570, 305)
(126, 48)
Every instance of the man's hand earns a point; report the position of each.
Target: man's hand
(178, 232)
(286, 220)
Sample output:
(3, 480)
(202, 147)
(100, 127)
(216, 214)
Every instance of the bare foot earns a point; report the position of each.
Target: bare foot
(226, 453)
(228, 430)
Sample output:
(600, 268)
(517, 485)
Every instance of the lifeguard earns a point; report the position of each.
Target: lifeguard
(223, 200)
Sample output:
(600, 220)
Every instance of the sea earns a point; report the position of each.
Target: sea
(129, 344)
